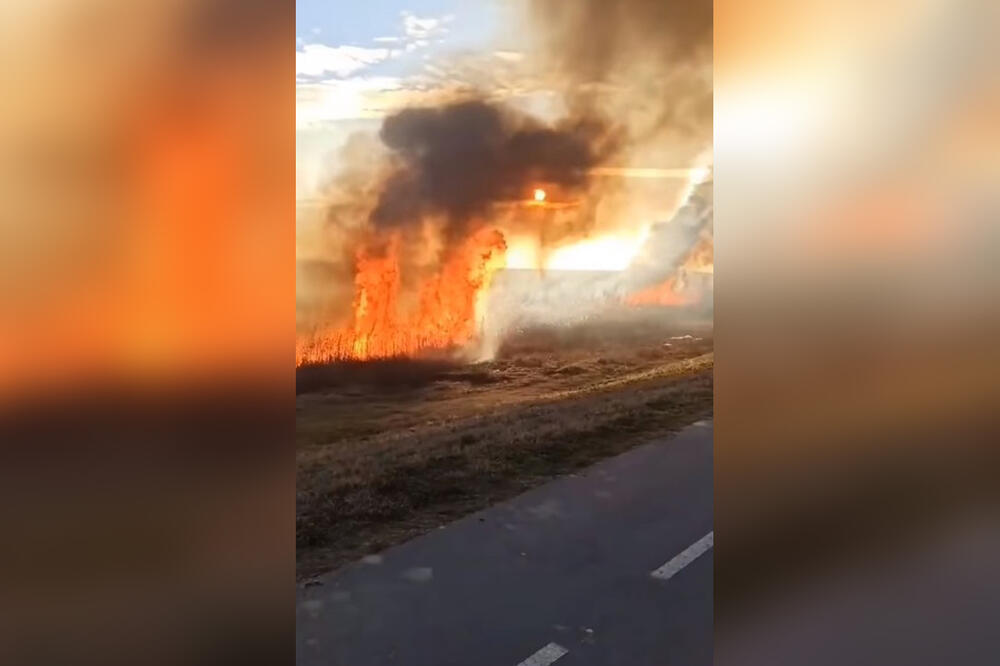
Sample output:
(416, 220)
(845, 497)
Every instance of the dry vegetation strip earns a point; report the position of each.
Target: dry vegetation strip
(358, 495)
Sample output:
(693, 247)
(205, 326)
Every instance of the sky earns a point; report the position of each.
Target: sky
(357, 61)
(370, 23)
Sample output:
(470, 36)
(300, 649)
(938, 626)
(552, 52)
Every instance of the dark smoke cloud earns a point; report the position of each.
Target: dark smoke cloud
(592, 38)
(658, 51)
(460, 159)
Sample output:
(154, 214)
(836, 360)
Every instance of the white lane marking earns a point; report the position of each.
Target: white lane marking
(545, 656)
(689, 555)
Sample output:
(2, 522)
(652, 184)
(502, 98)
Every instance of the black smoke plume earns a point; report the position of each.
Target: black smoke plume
(460, 159)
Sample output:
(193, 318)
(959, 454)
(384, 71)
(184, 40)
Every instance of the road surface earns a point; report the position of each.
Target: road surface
(612, 565)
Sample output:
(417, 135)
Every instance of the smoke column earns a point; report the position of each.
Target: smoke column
(456, 161)
(433, 207)
(645, 62)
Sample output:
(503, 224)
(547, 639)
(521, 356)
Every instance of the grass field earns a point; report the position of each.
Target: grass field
(391, 449)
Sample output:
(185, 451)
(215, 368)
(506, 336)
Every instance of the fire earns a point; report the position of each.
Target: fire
(445, 313)
(700, 259)
(670, 292)
(539, 195)
(605, 253)
(673, 291)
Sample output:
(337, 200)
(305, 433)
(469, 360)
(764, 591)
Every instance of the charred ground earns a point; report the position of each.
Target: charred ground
(390, 449)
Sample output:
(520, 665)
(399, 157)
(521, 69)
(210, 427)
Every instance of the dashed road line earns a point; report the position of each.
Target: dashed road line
(689, 555)
(545, 656)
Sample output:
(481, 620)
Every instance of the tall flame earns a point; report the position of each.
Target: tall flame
(446, 313)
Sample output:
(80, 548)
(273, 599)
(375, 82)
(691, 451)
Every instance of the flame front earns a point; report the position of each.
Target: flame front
(701, 258)
(669, 292)
(674, 290)
(445, 314)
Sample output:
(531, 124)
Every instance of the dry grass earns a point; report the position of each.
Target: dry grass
(387, 451)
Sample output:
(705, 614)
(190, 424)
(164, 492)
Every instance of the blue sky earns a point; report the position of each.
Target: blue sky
(360, 22)
(413, 31)
(358, 61)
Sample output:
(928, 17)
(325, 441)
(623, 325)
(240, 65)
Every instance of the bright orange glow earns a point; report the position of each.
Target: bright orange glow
(697, 174)
(673, 290)
(444, 315)
(700, 259)
(670, 292)
(612, 252)
(539, 195)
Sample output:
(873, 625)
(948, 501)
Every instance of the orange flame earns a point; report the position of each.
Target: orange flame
(701, 257)
(446, 314)
(670, 292)
(673, 291)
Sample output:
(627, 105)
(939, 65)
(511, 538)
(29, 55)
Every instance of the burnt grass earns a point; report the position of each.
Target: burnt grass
(393, 374)
(389, 451)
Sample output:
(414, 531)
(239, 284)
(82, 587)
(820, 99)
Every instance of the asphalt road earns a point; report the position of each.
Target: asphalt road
(610, 566)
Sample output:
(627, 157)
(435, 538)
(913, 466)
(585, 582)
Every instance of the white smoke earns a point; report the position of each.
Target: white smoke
(520, 299)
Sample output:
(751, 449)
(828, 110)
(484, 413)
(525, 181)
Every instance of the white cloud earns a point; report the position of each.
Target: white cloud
(316, 60)
(416, 27)
(353, 98)
(319, 59)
